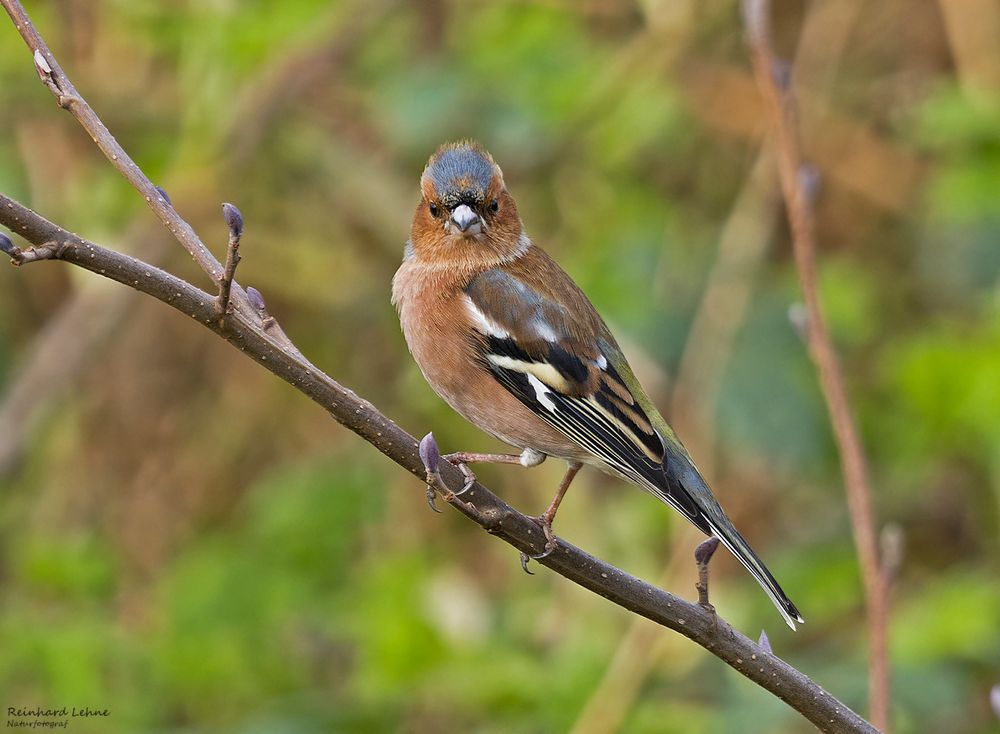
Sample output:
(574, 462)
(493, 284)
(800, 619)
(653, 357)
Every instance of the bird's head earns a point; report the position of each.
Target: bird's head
(465, 210)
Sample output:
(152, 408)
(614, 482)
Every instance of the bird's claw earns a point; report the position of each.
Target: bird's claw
(470, 477)
(524, 563)
(525, 557)
(434, 485)
(431, 494)
(551, 543)
(550, 537)
(549, 549)
(465, 487)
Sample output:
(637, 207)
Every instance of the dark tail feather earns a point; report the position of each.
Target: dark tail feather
(685, 489)
(740, 548)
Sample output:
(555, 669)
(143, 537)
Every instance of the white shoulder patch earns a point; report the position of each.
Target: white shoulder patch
(602, 362)
(544, 331)
(482, 322)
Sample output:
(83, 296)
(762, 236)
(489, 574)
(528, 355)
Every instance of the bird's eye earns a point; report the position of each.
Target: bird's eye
(435, 210)
(494, 206)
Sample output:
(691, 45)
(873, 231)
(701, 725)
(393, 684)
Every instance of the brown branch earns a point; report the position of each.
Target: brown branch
(798, 186)
(55, 79)
(44, 251)
(702, 555)
(234, 220)
(257, 341)
(254, 332)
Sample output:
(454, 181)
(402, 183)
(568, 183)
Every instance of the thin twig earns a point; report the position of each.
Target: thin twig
(702, 556)
(234, 219)
(56, 81)
(478, 503)
(798, 186)
(45, 251)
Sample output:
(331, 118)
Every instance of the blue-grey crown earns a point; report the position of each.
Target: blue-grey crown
(461, 174)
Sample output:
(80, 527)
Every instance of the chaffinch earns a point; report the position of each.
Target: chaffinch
(507, 338)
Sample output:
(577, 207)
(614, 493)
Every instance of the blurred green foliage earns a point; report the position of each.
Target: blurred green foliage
(189, 543)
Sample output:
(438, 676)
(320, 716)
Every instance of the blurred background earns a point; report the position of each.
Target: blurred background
(190, 543)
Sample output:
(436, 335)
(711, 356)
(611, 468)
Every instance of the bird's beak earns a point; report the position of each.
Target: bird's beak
(466, 220)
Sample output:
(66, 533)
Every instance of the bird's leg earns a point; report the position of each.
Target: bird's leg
(547, 517)
(462, 459)
(431, 457)
(702, 555)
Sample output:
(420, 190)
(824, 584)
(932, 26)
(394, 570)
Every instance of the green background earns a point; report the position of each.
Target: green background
(190, 543)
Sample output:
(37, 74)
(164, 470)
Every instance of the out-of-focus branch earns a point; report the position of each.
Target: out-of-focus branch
(856, 156)
(798, 187)
(254, 338)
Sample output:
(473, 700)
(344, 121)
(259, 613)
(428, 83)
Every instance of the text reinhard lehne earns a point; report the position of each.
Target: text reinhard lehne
(39, 712)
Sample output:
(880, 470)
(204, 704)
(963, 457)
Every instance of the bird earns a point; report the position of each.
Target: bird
(505, 336)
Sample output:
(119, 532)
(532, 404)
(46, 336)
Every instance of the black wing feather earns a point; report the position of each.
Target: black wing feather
(587, 425)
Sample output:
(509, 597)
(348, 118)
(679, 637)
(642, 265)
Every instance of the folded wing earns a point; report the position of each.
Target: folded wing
(564, 370)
